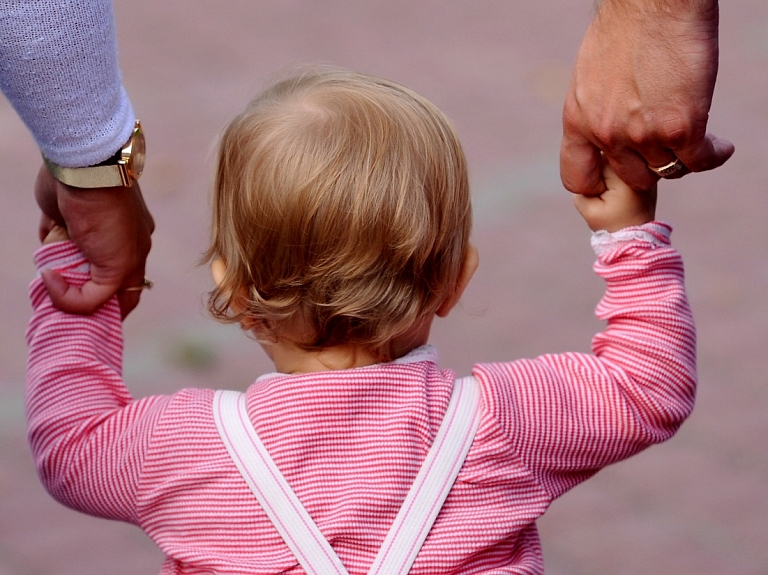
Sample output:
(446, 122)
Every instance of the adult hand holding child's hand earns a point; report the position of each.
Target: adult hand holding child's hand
(640, 94)
(112, 227)
(618, 207)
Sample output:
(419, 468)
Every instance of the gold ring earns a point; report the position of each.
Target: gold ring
(668, 169)
(146, 285)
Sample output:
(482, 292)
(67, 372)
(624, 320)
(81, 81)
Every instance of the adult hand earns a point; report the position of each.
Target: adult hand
(640, 92)
(111, 226)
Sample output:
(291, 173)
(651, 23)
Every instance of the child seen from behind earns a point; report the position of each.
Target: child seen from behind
(341, 226)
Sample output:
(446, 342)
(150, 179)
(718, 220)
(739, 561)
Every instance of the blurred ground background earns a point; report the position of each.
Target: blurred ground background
(499, 69)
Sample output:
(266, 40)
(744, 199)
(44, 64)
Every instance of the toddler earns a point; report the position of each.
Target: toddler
(341, 226)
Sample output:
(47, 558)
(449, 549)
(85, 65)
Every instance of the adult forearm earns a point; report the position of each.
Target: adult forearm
(661, 5)
(59, 69)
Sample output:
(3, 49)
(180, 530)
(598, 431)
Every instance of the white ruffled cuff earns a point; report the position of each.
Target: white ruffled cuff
(656, 234)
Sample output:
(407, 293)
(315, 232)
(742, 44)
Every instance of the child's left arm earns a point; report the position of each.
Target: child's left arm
(568, 415)
(88, 436)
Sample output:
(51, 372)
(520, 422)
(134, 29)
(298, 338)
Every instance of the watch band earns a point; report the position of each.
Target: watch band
(95, 177)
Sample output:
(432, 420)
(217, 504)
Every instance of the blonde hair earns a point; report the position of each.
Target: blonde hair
(341, 212)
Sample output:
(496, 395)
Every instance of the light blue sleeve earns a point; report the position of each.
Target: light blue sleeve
(59, 70)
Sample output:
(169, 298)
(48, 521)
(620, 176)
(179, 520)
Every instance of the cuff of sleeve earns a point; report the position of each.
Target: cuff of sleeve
(61, 256)
(653, 234)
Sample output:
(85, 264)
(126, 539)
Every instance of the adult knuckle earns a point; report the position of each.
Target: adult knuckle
(608, 134)
(678, 131)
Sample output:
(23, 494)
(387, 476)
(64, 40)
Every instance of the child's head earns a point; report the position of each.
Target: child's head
(341, 212)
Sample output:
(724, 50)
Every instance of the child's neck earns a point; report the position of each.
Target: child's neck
(291, 359)
(288, 358)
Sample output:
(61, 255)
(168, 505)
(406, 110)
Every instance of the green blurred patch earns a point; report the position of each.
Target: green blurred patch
(194, 353)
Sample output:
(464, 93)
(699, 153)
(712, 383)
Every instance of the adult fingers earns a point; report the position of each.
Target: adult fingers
(130, 293)
(580, 165)
(709, 153)
(632, 168)
(661, 162)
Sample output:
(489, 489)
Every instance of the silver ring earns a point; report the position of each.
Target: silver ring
(147, 284)
(668, 169)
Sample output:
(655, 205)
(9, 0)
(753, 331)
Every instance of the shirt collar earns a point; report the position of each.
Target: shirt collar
(419, 354)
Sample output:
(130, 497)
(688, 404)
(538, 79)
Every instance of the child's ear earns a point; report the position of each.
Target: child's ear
(218, 270)
(468, 269)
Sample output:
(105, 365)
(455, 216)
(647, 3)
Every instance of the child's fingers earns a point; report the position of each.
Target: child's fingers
(591, 209)
(617, 208)
(75, 299)
(50, 231)
(56, 285)
(44, 227)
(613, 181)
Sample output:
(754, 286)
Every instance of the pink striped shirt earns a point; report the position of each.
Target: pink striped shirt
(351, 442)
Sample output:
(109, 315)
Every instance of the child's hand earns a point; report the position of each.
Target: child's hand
(56, 233)
(618, 207)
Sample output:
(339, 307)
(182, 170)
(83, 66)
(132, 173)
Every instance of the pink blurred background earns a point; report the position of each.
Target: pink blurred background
(695, 505)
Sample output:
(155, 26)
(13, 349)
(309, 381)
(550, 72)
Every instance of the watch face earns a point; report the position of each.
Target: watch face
(135, 153)
(138, 152)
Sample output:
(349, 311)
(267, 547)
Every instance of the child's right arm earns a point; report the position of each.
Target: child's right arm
(567, 415)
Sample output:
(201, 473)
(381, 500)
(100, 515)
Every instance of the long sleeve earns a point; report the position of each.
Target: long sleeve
(87, 435)
(568, 415)
(59, 69)
(351, 442)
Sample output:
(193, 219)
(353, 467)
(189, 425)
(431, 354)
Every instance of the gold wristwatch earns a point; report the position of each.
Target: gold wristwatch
(122, 169)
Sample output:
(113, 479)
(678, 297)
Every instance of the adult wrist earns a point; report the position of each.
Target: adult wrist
(120, 170)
